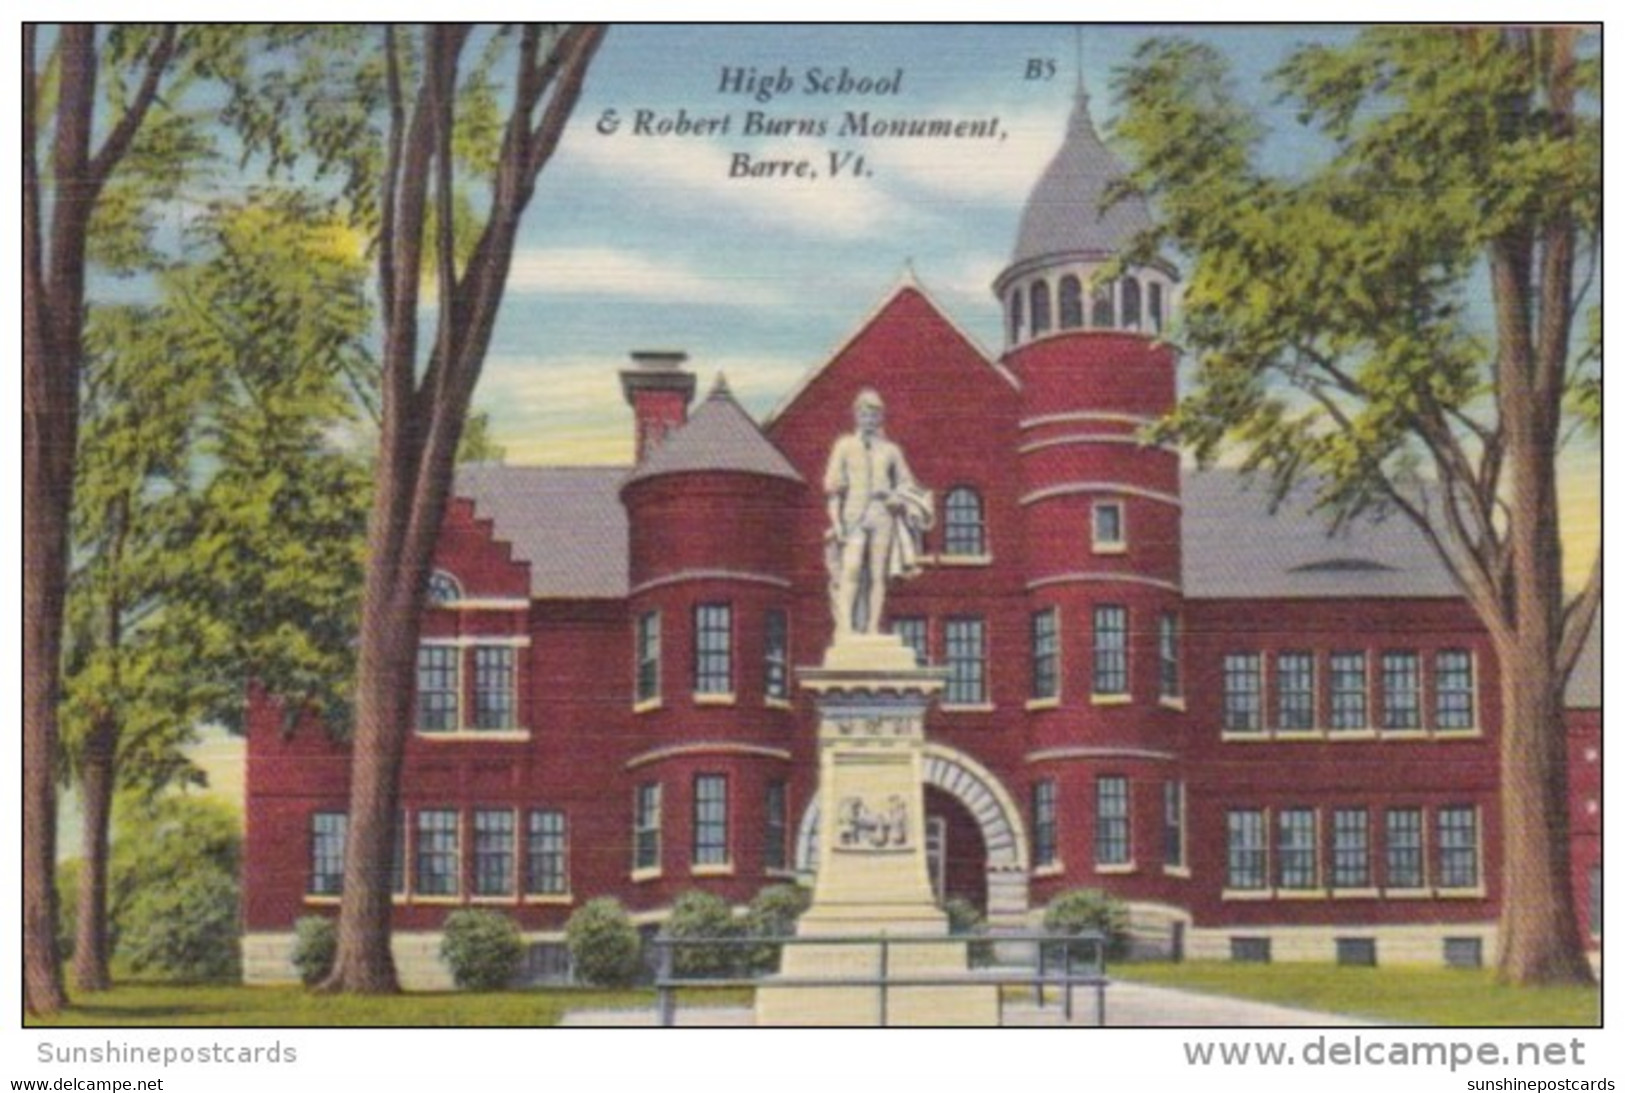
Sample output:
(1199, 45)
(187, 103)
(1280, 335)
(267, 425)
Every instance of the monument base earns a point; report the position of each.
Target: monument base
(872, 878)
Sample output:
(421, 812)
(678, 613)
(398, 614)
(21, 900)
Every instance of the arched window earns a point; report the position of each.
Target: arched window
(1100, 315)
(443, 588)
(963, 532)
(1131, 304)
(1015, 316)
(1040, 292)
(1071, 300)
(1154, 305)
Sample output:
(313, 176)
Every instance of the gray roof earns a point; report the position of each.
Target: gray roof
(1063, 215)
(1235, 548)
(1584, 691)
(567, 522)
(719, 436)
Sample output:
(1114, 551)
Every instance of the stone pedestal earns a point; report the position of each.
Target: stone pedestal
(872, 876)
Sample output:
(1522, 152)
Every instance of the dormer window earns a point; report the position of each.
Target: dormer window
(443, 588)
(1071, 301)
(1040, 293)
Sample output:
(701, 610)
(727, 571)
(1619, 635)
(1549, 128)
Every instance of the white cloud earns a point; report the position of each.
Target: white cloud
(689, 172)
(607, 271)
(975, 170)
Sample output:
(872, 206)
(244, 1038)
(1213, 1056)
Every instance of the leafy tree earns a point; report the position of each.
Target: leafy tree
(1331, 315)
(605, 949)
(185, 591)
(413, 134)
(477, 444)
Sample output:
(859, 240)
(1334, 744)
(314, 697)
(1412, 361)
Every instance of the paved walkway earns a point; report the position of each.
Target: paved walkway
(1128, 1005)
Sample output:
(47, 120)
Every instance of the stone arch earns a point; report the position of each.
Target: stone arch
(1009, 859)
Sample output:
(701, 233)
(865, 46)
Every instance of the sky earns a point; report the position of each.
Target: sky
(645, 241)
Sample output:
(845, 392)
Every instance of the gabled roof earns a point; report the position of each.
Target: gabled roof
(720, 436)
(567, 522)
(1236, 549)
(908, 285)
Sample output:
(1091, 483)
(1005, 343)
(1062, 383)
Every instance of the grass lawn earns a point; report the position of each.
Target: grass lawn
(1423, 996)
(154, 1005)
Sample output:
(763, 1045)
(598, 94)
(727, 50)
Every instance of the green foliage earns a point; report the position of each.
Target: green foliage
(187, 930)
(965, 919)
(1090, 909)
(1335, 316)
(477, 445)
(605, 949)
(697, 914)
(315, 943)
(774, 912)
(483, 949)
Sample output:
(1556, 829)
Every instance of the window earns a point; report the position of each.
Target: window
(443, 588)
(437, 688)
(494, 855)
(1015, 316)
(1040, 301)
(1295, 691)
(1458, 847)
(1404, 849)
(1351, 849)
(493, 687)
(1247, 856)
(1106, 531)
(775, 826)
(1071, 301)
(1348, 690)
(1111, 650)
(1453, 689)
(439, 859)
(326, 853)
(1401, 691)
(1101, 312)
(963, 533)
(1297, 857)
(1358, 952)
(1131, 304)
(1464, 952)
(1168, 684)
(713, 649)
(547, 868)
(1046, 654)
(648, 642)
(967, 663)
(1173, 824)
(913, 633)
(1250, 950)
(710, 819)
(1044, 849)
(646, 827)
(1242, 684)
(1154, 305)
(776, 654)
(1111, 820)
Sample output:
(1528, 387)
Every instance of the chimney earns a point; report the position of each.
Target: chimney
(659, 390)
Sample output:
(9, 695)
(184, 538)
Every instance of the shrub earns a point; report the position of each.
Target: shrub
(773, 912)
(965, 919)
(604, 945)
(1090, 909)
(483, 949)
(187, 929)
(699, 914)
(315, 943)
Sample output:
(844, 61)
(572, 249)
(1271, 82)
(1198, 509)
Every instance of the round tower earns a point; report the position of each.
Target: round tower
(710, 601)
(1101, 508)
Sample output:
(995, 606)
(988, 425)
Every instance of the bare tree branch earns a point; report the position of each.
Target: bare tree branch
(118, 140)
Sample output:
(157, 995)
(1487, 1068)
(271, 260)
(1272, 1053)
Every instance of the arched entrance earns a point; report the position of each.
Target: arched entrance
(968, 790)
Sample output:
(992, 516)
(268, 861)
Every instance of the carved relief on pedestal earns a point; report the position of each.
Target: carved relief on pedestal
(858, 826)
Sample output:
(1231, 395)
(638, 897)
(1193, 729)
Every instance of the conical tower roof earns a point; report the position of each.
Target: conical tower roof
(720, 436)
(1066, 213)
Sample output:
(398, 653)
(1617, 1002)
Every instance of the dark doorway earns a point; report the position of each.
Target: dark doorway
(957, 856)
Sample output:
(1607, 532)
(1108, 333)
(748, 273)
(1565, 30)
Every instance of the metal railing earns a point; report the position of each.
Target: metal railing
(1054, 965)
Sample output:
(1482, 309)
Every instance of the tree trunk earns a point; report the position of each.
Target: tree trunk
(1540, 939)
(92, 941)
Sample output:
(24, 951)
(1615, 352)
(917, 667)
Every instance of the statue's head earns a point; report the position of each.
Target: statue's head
(869, 411)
